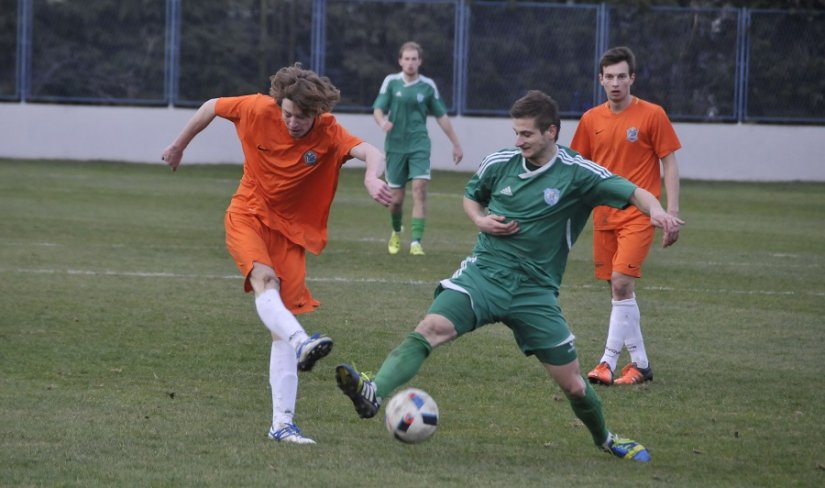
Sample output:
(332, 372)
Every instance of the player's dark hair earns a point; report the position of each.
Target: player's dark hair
(539, 106)
(313, 94)
(615, 56)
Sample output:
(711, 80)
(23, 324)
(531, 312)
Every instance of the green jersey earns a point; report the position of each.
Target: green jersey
(407, 107)
(551, 204)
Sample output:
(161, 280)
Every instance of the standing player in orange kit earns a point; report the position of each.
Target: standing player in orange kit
(293, 153)
(629, 137)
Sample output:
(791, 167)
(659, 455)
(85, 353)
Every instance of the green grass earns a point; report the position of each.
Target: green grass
(129, 355)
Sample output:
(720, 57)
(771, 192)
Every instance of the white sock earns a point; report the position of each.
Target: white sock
(632, 326)
(616, 332)
(278, 319)
(283, 379)
(608, 441)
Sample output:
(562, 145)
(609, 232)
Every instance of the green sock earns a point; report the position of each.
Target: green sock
(417, 231)
(396, 221)
(589, 410)
(402, 364)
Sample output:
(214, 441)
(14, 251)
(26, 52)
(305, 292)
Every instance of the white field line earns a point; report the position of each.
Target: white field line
(382, 281)
(716, 264)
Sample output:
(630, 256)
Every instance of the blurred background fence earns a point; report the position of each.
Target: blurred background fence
(701, 64)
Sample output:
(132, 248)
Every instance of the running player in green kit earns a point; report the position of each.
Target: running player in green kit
(401, 108)
(529, 203)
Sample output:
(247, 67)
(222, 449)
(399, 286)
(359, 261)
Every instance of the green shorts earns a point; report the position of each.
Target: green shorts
(475, 297)
(403, 167)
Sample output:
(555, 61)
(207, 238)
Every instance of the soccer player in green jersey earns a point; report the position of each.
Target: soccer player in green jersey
(529, 203)
(401, 108)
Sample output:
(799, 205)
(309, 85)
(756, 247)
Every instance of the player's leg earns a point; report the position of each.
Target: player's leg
(419, 216)
(283, 380)
(248, 241)
(536, 320)
(451, 314)
(604, 247)
(279, 298)
(587, 406)
(400, 366)
(396, 175)
(419, 173)
(634, 241)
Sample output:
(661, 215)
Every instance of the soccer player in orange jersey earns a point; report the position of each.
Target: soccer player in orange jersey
(629, 137)
(293, 153)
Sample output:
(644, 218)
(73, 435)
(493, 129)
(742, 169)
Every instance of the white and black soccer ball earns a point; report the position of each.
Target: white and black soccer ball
(411, 416)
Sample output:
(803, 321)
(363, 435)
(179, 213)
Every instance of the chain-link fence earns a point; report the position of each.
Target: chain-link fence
(701, 64)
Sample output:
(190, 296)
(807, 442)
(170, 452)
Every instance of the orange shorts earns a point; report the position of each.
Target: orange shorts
(249, 241)
(623, 249)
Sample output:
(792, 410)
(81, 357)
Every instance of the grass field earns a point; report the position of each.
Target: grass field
(129, 355)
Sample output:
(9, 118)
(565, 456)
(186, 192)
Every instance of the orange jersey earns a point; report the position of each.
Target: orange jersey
(288, 183)
(629, 144)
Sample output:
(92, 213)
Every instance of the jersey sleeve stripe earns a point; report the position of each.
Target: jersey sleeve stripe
(387, 80)
(430, 82)
(579, 160)
(501, 156)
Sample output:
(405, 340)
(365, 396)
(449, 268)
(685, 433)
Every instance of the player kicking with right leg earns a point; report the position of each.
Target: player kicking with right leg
(491, 286)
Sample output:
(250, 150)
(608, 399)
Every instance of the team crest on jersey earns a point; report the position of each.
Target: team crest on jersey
(551, 196)
(632, 134)
(419, 97)
(310, 158)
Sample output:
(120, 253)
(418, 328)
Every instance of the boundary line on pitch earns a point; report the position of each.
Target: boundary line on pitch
(383, 281)
(332, 251)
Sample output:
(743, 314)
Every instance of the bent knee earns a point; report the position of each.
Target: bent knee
(437, 329)
(622, 285)
(263, 277)
(576, 389)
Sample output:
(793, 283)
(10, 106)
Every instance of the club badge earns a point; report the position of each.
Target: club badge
(310, 158)
(551, 196)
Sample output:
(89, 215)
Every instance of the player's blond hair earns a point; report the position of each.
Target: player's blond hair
(313, 94)
(411, 46)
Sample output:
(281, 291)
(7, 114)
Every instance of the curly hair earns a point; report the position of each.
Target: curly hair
(313, 94)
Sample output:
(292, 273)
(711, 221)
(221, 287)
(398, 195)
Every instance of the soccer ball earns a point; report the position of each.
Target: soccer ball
(411, 416)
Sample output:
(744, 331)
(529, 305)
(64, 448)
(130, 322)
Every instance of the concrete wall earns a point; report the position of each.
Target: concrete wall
(742, 152)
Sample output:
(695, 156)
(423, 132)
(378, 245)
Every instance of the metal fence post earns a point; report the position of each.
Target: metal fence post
(318, 36)
(602, 38)
(742, 62)
(24, 51)
(172, 61)
(460, 56)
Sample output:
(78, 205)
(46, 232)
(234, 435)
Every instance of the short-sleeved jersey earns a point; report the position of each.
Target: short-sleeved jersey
(288, 183)
(630, 144)
(551, 205)
(407, 106)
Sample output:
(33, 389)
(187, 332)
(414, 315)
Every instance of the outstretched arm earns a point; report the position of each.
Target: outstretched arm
(376, 187)
(447, 127)
(489, 223)
(649, 205)
(202, 118)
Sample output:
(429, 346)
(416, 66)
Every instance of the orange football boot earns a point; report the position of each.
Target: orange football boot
(633, 375)
(601, 374)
